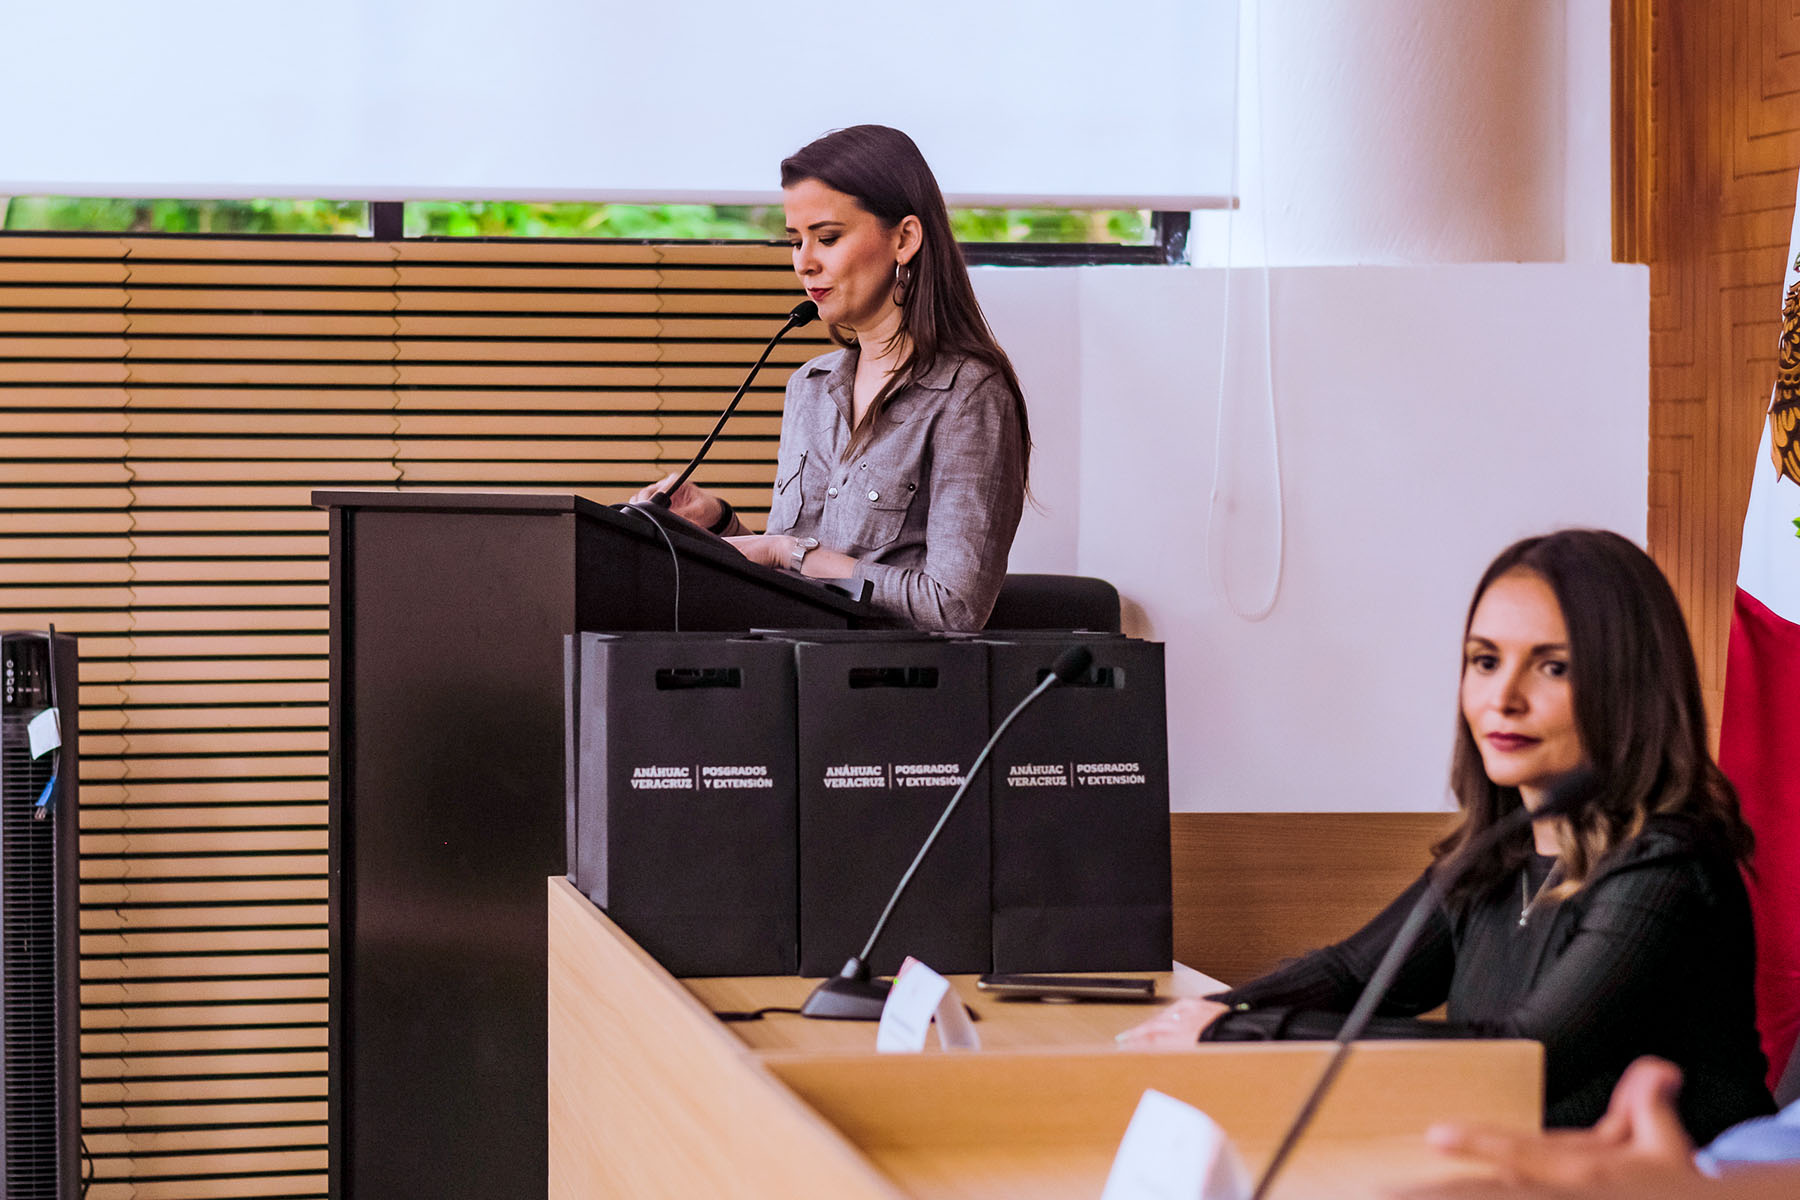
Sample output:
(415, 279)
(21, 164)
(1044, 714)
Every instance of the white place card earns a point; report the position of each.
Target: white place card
(45, 732)
(1173, 1151)
(956, 1030)
(919, 997)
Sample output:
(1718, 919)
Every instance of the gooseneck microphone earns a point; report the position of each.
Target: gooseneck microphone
(853, 995)
(1569, 793)
(803, 314)
(657, 511)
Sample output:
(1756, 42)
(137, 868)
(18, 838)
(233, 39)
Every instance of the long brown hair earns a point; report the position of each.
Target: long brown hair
(1636, 695)
(882, 170)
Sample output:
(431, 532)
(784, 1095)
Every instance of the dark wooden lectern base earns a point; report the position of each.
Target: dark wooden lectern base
(448, 613)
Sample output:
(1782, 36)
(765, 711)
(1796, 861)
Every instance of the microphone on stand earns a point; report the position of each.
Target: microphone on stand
(852, 995)
(1572, 792)
(803, 314)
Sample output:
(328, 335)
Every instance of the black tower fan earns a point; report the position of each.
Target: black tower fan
(40, 1127)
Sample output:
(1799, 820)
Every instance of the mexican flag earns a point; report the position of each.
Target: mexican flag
(1761, 733)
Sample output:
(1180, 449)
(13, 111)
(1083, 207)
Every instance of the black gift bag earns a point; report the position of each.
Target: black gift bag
(888, 728)
(681, 796)
(1080, 801)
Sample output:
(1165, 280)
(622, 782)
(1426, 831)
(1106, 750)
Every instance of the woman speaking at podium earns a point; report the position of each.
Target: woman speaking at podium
(903, 459)
(1620, 930)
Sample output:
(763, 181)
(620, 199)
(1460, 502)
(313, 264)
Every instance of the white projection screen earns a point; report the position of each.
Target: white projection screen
(1013, 103)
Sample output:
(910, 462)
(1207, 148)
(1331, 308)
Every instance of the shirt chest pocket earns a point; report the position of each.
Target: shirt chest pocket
(790, 487)
(879, 503)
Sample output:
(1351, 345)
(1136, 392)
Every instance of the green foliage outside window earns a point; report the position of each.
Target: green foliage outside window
(1128, 227)
(443, 218)
(751, 223)
(665, 222)
(76, 213)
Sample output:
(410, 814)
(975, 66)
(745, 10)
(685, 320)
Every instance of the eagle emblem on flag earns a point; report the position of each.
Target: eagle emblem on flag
(1784, 408)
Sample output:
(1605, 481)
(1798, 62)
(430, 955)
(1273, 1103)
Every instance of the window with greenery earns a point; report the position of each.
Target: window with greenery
(752, 223)
(344, 218)
(517, 219)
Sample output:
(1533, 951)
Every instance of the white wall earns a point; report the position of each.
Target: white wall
(1036, 314)
(1587, 144)
(1426, 416)
(1417, 131)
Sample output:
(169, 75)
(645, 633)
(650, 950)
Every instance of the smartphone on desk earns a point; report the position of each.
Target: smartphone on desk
(1067, 987)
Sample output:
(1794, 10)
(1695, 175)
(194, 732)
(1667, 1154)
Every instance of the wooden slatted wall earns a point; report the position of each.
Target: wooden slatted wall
(1707, 141)
(167, 405)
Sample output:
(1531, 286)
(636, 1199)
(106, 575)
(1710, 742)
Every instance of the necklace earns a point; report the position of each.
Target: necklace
(1527, 898)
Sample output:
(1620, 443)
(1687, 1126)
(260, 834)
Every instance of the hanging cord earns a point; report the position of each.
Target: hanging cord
(1215, 552)
(648, 512)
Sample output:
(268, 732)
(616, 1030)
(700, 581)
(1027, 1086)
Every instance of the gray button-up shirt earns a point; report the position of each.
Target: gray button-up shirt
(929, 505)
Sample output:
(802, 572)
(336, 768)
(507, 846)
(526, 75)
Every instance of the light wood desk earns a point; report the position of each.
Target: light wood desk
(652, 1096)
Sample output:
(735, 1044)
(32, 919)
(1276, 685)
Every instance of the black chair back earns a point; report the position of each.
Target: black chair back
(1056, 602)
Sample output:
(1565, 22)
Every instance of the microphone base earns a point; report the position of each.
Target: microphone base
(843, 999)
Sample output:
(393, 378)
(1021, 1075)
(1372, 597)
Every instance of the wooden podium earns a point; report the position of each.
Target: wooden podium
(651, 1096)
(448, 613)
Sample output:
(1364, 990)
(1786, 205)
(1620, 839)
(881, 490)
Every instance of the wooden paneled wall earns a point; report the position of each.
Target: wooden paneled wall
(1254, 888)
(167, 405)
(1706, 146)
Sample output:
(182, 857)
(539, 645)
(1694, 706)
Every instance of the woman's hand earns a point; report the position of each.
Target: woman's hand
(777, 550)
(1639, 1141)
(690, 501)
(1180, 1024)
(770, 549)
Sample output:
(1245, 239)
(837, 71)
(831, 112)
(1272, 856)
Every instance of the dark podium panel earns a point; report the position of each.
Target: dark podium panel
(448, 612)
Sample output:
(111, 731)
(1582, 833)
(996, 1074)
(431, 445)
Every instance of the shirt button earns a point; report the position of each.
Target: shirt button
(832, 492)
(874, 495)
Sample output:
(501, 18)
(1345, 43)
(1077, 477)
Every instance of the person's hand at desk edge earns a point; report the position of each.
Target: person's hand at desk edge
(700, 507)
(1637, 1151)
(1180, 1024)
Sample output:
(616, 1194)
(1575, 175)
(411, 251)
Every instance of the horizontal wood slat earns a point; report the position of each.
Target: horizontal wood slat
(102, 1022)
(385, 346)
(230, 1166)
(146, 842)
(178, 1141)
(457, 331)
(210, 717)
(167, 408)
(148, 404)
(110, 919)
(150, 796)
(168, 435)
(139, 993)
(186, 1089)
(97, 892)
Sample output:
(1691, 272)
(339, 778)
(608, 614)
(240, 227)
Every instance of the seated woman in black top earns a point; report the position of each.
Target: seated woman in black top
(1619, 931)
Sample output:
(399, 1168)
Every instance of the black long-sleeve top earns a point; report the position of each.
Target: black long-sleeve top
(1655, 955)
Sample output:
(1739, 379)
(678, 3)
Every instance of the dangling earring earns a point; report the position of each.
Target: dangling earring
(902, 281)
